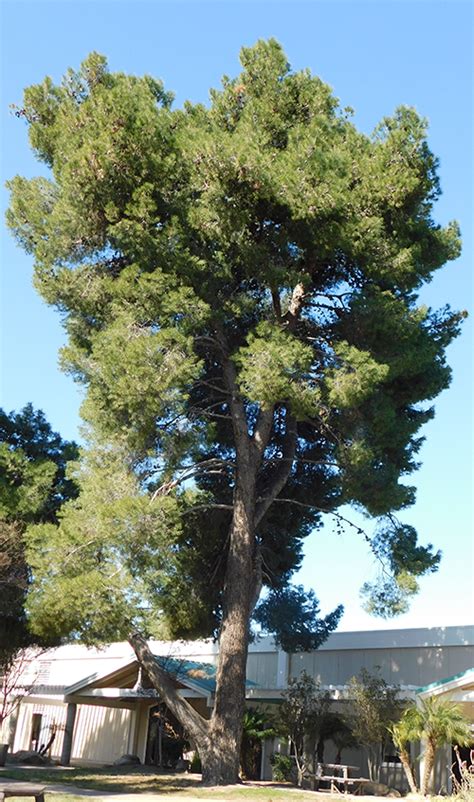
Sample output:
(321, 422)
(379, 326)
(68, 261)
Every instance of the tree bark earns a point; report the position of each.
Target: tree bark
(192, 721)
(218, 740)
(429, 756)
(408, 768)
(222, 762)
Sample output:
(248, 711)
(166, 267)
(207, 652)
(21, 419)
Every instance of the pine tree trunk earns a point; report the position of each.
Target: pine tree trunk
(219, 766)
(429, 763)
(218, 740)
(406, 763)
(221, 762)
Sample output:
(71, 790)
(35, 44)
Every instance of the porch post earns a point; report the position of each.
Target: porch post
(68, 734)
(262, 759)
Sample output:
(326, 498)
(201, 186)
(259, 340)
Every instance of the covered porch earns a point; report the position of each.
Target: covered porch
(147, 724)
(458, 689)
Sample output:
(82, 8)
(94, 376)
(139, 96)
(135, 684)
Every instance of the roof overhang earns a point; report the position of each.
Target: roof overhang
(193, 681)
(460, 687)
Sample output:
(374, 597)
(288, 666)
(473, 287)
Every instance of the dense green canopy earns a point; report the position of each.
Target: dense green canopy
(33, 486)
(243, 272)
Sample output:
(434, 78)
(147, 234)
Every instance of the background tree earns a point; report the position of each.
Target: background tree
(239, 287)
(33, 485)
(292, 615)
(435, 722)
(375, 709)
(302, 718)
(403, 732)
(336, 728)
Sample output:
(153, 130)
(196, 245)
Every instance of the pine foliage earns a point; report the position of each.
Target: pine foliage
(262, 244)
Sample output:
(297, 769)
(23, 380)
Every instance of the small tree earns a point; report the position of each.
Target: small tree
(376, 708)
(402, 733)
(13, 684)
(463, 779)
(436, 722)
(338, 730)
(301, 719)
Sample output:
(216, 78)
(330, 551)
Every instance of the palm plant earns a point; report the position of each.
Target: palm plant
(436, 722)
(255, 730)
(403, 732)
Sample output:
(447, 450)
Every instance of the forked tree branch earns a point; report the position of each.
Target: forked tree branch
(282, 472)
(192, 721)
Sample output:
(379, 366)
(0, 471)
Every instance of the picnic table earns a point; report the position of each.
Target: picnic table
(338, 774)
(17, 789)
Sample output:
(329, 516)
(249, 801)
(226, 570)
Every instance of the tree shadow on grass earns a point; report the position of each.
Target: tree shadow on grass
(113, 779)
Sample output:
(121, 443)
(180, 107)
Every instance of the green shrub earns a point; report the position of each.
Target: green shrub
(282, 765)
(195, 766)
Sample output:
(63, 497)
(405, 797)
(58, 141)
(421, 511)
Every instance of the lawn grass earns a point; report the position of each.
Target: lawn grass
(113, 779)
(147, 780)
(205, 794)
(55, 798)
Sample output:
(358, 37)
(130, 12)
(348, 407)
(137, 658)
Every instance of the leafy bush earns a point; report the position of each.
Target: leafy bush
(463, 787)
(195, 767)
(283, 766)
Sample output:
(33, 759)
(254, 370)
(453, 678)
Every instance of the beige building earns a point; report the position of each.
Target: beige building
(94, 703)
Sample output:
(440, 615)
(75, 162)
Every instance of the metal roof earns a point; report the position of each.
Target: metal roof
(201, 676)
(195, 675)
(440, 682)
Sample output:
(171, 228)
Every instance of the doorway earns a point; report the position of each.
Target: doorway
(165, 738)
(36, 723)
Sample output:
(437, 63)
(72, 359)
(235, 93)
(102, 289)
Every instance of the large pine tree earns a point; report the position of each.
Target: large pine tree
(239, 286)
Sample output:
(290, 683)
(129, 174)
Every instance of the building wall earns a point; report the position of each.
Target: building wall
(101, 734)
(415, 666)
(52, 715)
(262, 669)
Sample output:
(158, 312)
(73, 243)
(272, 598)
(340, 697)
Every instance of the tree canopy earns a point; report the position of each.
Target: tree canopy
(33, 486)
(376, 708)
(239, 285)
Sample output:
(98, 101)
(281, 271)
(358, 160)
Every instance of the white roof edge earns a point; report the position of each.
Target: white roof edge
(440, 687)
(363, 639)
(401, 638)
(98, 676)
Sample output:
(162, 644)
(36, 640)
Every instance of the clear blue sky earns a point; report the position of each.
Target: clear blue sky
(376, 55)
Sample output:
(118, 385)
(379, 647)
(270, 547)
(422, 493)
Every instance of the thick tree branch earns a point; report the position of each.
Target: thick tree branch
(236, 404)
(296, 304)
(207, 507)
(276, 304)
(209, 467)
(194, 723)
(262, 431)
(282, 472)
